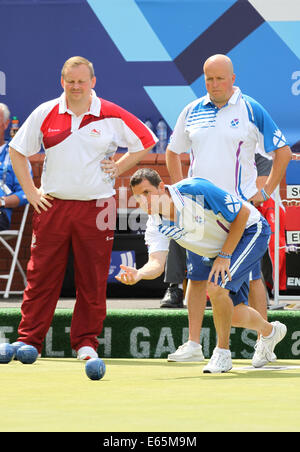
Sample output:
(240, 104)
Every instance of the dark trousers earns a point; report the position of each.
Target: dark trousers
(4, 221)
(175, 270)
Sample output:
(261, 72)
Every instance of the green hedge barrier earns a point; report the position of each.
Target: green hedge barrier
(152, 333)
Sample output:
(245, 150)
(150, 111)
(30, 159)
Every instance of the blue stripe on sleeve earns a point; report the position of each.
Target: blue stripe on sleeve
(215, 198)
(273, 137)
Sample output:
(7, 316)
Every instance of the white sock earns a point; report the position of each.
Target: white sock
(223, 350)
(270, 335)
(193, 344)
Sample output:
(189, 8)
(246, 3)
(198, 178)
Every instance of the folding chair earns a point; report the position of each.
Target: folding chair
(5, 236)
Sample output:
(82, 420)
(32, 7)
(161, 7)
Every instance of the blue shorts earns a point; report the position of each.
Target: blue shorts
(245, 258)
(256, 272)
(198, 267)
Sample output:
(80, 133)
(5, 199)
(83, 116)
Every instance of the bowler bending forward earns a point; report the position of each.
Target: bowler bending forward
(230, 234)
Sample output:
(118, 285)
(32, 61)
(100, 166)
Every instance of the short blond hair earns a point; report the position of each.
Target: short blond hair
(76, 61)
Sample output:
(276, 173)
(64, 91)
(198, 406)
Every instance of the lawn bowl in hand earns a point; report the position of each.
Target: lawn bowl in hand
(6, 353)
(27, 354)
(95, 368)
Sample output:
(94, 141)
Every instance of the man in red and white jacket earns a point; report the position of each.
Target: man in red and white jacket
(79, 132)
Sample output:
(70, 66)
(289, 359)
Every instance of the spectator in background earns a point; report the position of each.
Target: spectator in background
(80, 133)
(222, 129)
(11, 193)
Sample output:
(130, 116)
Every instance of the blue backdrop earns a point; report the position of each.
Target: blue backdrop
(148, 54)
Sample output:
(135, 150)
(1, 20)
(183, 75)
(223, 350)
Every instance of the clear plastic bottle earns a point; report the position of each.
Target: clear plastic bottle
(162, 135)
(149, 124)
(110, 152)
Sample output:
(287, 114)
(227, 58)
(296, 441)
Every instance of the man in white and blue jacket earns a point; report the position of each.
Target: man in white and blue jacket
(11, 193)
(222, 130)
(232, 237)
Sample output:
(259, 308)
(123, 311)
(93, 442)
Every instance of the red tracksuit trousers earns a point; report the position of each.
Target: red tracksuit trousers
(68, 223)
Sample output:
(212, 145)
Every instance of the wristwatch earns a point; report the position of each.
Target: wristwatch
(2, 201)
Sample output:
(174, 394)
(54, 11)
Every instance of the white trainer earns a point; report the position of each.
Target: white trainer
(219, 362)
(187, 353)
(264, 348)
(85, 353)
(272, 360)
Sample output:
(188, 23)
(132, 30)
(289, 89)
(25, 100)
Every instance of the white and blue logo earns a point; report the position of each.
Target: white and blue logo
(235, 123)
(279, 139)
(232, 203)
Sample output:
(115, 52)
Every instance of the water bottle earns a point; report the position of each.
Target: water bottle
(109, 153)
(162, 135)
(149, 124)
(14, 126)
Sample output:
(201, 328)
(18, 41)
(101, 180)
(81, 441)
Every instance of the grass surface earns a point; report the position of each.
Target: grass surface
(148, 396)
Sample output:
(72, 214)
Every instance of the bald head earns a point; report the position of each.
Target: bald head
(219, 60)
(219, 78)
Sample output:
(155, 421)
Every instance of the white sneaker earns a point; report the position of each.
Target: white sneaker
(187, 353)
(85, 353)
(273, 357)
(264, 348)
(219, 362)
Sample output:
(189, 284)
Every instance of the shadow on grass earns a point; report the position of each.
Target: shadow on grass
(280, 370)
